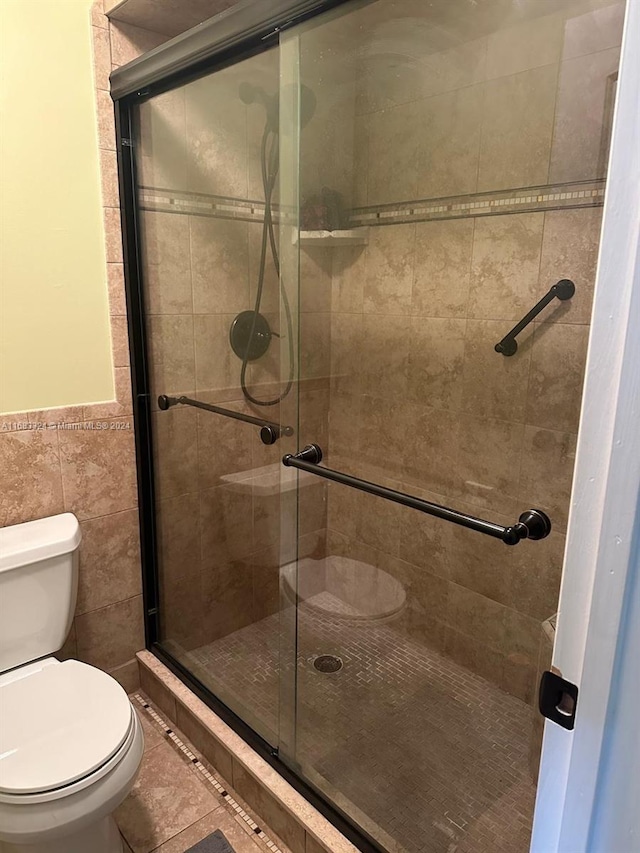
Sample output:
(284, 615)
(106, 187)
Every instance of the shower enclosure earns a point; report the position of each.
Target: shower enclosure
(361, 256)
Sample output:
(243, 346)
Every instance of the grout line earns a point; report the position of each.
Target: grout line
(481, 123)
(554, 121)
(61, 473)
(245, 820)
(95, 32)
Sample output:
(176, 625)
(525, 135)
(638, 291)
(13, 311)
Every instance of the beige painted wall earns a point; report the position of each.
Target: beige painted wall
(55, 345)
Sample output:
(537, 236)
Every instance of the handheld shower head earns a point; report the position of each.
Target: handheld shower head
(308, 103)
(250, 94)
(250, 334)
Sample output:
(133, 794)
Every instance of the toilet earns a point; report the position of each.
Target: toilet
(343, 590)
(70, 741)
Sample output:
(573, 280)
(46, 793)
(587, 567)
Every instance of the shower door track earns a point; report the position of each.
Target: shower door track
(205, 49)
(222, 40)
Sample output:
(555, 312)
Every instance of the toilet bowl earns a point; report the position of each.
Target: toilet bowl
(70, 741)
(343, 590)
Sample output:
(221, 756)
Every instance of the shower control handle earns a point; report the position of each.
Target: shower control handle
(269, 434)
(532, 524)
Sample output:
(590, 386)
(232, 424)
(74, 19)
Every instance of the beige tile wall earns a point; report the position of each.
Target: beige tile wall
(443, 111)
(219, 544)
(219, 553)
(82, 461)
(171, 17)
(419, 399)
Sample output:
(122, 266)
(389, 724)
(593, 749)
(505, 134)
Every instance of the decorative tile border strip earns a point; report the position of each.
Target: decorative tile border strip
(245, 820)
(523, 200)
(197, 204)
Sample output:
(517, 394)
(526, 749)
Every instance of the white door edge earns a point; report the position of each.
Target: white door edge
(605, 492)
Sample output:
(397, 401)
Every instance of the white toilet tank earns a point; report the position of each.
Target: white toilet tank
(38, 587)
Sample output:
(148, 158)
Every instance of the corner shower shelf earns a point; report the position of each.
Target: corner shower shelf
(350, 237)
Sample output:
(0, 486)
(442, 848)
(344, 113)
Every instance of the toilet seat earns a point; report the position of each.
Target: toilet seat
(64, 726)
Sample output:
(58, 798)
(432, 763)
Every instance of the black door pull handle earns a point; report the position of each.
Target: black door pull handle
(532, 524)
(270, 432)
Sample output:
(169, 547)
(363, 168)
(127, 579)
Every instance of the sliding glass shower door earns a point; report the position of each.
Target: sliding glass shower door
(353, 241)
(208, 197)
(449, 174)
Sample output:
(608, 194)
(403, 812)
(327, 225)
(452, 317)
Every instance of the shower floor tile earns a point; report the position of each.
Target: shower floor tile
(434, 755)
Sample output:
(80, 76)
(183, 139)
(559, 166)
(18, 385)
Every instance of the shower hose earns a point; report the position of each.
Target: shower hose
(269, 161)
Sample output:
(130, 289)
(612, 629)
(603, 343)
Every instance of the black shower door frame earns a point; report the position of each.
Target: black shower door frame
(225, 40)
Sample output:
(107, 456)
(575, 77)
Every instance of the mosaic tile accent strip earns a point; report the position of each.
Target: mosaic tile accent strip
(245, 820)
(195, 204)
(435, 754)
(521, 200)
(524, 200)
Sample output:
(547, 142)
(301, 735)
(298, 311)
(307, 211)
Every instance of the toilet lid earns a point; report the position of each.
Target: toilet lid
(59, 725)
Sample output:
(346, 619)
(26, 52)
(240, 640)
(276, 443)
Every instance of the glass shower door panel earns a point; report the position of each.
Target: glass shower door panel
(208, 188)
(452, 165)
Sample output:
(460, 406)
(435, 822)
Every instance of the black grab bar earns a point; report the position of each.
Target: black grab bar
(270, 432)
(532, 524)
(564, 289)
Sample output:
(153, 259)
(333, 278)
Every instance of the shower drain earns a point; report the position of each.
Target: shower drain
(328, 663)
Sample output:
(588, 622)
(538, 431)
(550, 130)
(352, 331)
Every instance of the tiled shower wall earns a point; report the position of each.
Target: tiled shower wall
(219, 540)
(419, 398)
(81, 458)
(405, 327)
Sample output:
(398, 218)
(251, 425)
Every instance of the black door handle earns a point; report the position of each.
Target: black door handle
(532, 524)
(269, 432)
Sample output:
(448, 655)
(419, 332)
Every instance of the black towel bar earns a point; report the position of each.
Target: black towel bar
(270, 432)
(532, 524)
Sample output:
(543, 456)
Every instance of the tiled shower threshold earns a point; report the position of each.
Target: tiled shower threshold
(179, 799)
(290, 821)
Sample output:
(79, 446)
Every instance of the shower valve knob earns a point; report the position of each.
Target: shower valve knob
(268, 435)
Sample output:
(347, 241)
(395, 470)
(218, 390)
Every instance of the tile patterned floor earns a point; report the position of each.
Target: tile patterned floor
(436, 755)
(173, 804)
